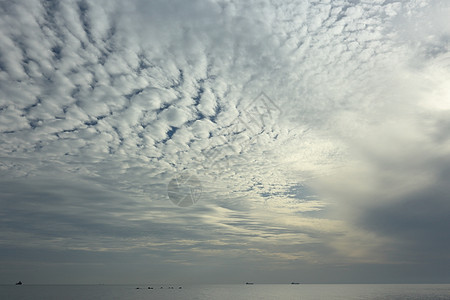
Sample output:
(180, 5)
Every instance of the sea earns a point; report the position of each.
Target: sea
(229, 291)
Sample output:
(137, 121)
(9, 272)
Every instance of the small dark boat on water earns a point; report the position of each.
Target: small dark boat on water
(19, 283)
(295, 282)
(249, 283)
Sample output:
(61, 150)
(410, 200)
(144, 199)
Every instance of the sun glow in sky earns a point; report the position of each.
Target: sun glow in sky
(224, 141)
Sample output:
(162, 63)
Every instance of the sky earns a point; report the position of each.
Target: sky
(225, 141)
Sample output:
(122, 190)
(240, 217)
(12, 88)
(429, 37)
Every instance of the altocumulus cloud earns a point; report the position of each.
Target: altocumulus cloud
(102, 103)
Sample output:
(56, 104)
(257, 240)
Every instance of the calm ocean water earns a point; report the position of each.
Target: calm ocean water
(257, 291)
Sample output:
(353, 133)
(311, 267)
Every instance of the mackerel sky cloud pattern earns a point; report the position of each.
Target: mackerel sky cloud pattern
(103, 103)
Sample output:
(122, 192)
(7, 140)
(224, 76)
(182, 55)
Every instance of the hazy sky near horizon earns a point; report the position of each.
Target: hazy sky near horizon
(318, 130)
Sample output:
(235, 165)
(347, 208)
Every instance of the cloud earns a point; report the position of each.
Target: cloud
(313, 127)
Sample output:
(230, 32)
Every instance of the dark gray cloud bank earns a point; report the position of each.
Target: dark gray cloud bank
(338, 172)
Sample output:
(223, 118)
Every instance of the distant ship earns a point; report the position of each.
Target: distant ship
(19, 283)
(295, 282)
(249, 283)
